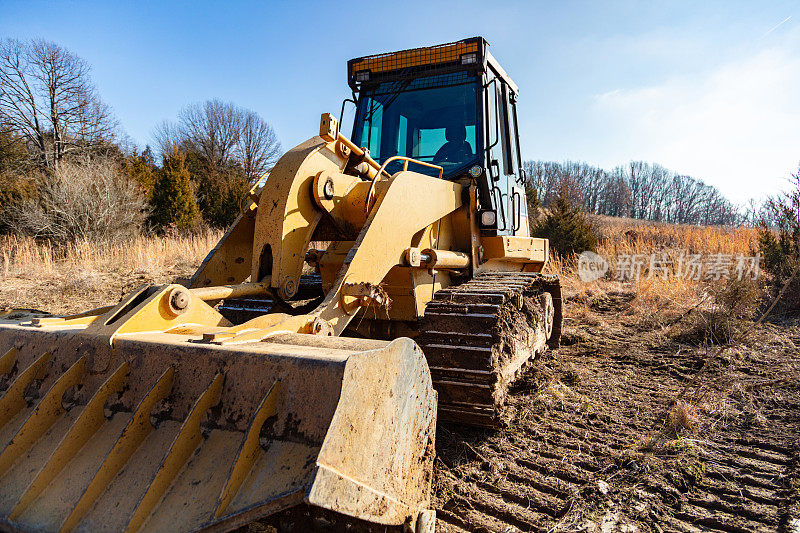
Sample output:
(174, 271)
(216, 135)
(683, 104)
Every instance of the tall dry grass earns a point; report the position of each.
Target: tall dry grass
(655, 294)
(37, 274)
(620, 238)
(25, 257)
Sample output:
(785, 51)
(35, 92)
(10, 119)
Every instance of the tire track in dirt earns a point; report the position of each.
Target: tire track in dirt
(580, 454)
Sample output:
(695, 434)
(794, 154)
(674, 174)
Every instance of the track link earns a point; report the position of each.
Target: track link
(478, 336)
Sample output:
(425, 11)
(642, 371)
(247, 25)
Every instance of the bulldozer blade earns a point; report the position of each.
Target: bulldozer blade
(155, 431)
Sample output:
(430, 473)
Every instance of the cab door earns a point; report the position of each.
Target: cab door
(503, 159)
(517, 205)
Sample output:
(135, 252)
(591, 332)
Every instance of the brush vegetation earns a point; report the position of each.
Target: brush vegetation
(779, 240)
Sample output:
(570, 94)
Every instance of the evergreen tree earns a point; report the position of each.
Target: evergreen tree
(779, 242)
(566, 226)
(173, 201)
(220, 189)
(222, 202)
(14, 156)
(142, 169)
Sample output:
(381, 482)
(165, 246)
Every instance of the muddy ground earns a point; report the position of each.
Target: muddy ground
(595, 439)
(597, 442)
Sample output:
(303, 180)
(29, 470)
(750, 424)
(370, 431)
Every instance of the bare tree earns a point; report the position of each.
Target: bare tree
(167, 138)
(85, 199)
(211, 129)
(258, 148)
(47, 96)
(639, 189)
(223, 134)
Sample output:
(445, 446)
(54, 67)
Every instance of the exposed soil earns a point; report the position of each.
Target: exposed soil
(597, 441)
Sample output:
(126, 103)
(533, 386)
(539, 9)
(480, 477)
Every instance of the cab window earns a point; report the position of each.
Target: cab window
(432, 119)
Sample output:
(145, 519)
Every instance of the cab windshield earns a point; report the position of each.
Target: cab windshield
(432, 119)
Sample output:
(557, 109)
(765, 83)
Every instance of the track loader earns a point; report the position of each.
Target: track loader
(301, 364)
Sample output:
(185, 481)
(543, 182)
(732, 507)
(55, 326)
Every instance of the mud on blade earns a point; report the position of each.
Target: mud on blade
(104, 427)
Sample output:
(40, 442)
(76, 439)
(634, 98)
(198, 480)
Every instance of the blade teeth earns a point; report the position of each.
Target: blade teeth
(13, 400)
(86, 425)
(185, 443)
(111, 465)
(7, 361)
(135, 432)
(46, 413)
(249, 450)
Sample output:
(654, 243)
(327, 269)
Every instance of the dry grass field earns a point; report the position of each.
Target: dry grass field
(621, 237)
(667, 407)
(38, 276)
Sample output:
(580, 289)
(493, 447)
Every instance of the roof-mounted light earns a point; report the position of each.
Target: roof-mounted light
(362, 75)
(469, 59)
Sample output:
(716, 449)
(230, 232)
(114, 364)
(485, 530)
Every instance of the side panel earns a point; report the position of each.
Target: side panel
(387, 411)
(230, 260)
(288, 215)
(504, 175)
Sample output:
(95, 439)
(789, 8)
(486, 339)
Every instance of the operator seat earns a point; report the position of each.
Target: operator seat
(456, 149)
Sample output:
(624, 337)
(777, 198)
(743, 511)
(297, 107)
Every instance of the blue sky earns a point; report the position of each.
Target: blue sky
(709, 89)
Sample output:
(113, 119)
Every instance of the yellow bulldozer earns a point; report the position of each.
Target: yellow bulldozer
(301, 365)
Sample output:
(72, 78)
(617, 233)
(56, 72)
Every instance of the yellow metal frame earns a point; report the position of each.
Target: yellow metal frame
(163, 345)
(406, 161)
(289, 216)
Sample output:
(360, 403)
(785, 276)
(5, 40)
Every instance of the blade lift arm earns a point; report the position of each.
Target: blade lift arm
(307, 184)
(410, 203)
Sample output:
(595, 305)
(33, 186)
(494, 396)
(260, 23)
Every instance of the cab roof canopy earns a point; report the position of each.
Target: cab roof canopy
(470, 55)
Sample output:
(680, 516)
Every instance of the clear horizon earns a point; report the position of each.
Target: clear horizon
(706, 90)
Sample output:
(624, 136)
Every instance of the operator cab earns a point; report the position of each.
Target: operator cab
(451, 105)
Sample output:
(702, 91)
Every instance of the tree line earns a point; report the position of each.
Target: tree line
(69, 172)
(639, 190)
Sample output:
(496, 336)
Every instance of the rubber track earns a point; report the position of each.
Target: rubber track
(465, 330)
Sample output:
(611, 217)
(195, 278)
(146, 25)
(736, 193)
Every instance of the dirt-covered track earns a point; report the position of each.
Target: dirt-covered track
(479, 335)
(592, 442)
